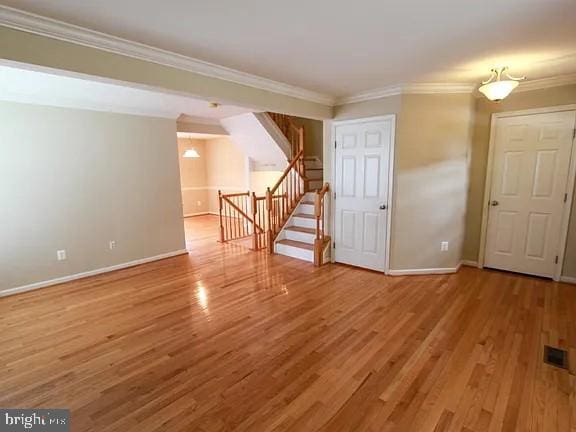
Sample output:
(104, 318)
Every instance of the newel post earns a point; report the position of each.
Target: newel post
(255, 245)
(269, 211)
(220, 213)
(318, 241)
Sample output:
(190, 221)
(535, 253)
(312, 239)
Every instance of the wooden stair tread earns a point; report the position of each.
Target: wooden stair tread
(297, 244)
(314, 169)
(305, 216)
(307, 202)
(301, 229)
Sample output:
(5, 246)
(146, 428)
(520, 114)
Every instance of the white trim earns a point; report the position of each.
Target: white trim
(470, 263)
(43, 26)
(214, 188)
(429, 271)
(55, 29)
(568, 279)
(43, 284)
(488, 184)
(543, 83)
(545, 110)
(446, 88)
(192, 120)
(390, 209)
(187, 215)
(416, 88)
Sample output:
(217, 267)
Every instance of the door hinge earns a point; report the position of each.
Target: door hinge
(565, 197)
(334, 144)
(334, 245)
(573, 133)
(556, 260)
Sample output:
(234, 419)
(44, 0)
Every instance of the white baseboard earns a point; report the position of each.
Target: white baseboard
(568, 279)
(428, 271)
(470, 263)
(44, 284)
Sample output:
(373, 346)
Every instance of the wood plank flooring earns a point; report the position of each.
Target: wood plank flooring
(225, 339)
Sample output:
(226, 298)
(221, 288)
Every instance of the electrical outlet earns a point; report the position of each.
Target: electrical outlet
(444, 246)
(112, 244)
(61, 255)
(198, 203)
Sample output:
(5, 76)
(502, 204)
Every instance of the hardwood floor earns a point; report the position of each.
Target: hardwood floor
(227, 339)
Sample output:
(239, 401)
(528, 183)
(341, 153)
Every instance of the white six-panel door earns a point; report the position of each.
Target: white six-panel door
(362, 166)
(531, 162)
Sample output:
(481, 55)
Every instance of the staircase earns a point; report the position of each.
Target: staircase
(298, 237)
(290, 219)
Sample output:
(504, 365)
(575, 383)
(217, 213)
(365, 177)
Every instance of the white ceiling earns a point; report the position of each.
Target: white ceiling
(340, 48)
(42, 88)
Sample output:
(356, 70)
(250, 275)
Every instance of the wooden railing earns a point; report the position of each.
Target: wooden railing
(319, 214)
(283, 197)
(236, 222)
(293, 132)
(245, 214)
(259, 236)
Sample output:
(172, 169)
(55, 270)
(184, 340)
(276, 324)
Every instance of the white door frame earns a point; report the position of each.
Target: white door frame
(331, 141)
(488, 184)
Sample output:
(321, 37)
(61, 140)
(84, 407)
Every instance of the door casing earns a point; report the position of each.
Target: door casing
(331, 142)
(488, 184)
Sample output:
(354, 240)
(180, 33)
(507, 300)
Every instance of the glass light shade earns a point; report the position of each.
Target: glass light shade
(191, 153)
(498, 90)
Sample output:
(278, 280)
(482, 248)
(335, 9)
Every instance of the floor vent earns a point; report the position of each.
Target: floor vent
(555, 357)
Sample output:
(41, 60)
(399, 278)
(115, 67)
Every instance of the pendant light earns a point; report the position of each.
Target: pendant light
(495, 88)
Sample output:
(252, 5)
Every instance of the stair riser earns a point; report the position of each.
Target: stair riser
(305, 209)
(312, 164)
(315, 184)
(303, 222)
(314, 174)
(294, 252)
(299, 236)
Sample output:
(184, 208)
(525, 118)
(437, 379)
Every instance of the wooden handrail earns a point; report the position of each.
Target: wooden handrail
(239, 210)
(291, 165)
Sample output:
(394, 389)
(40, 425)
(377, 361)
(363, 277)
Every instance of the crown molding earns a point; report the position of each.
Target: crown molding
(414, 88)
(544, 83)
(43, 26)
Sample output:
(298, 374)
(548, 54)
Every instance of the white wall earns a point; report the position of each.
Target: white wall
(73, 179)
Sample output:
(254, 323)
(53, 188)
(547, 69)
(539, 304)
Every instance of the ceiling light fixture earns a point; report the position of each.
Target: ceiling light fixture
(191, 153)
(495, 88)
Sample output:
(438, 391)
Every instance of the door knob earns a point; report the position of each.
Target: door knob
(494, 203)
(383, 207)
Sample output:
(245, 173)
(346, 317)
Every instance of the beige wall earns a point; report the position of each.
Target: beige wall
(38, 50)
(517, 101)
(214, 129)
(375, 107)
(221, 166)
(193, 178)
(261, 180)
(77, 180)
(431, 181)
(430, 177)
(226, 169)
(313, 136)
